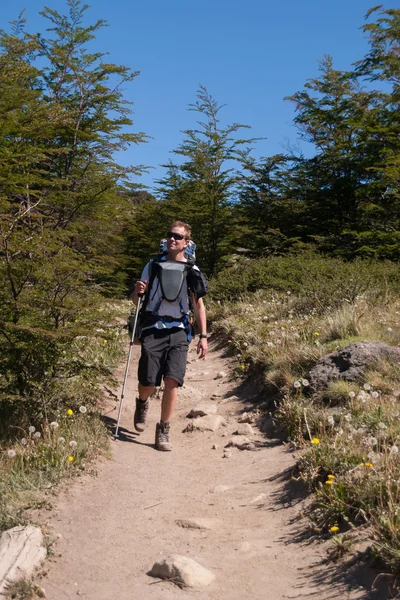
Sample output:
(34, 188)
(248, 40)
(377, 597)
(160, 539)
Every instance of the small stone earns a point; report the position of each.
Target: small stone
(200, 523)
(201, 410)
(244, 429)
(226, 454)
(207, 423)
(246, 418)
(220, 488)
(267, 425)
(214, 447)
(182, 569)
(241, 442)
(220, 375)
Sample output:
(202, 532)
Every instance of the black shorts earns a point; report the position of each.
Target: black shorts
(164, 354)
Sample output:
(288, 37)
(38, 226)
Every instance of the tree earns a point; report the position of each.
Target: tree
(61, 208)
(202, 189)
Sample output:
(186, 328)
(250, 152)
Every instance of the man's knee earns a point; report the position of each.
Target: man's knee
(170, 383)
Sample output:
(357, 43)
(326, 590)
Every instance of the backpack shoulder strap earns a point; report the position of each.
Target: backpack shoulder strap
(152, 276)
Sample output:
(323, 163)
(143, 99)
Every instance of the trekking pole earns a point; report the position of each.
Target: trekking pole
(127, 365)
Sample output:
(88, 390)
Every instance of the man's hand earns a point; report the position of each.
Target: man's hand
(140, 287)
(202, 347)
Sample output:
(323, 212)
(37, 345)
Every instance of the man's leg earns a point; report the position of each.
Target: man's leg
(169, 398)
(145, 391)
(167, 408)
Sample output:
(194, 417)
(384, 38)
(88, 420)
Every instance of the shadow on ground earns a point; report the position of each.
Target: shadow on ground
(355, 574)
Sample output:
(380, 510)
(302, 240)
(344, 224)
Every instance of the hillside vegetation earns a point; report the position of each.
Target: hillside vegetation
(279, 316)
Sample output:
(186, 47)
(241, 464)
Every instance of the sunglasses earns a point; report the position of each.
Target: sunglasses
(176, 236)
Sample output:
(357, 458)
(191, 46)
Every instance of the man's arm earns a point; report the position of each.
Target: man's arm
(201, 318)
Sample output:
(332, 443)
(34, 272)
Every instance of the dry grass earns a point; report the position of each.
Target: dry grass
(350, 431)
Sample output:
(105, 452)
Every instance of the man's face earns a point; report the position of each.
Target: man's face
(176, 239)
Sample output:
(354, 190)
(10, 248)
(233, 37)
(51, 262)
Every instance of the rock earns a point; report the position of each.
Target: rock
(202, 410)
(241, 442)
(207, 423)
(227, 454)
(220, 375)
(200, 523)
(267, 425)
(21, 551)
(247, 418)
(216, 396)
(350, 363)
(214, 447)
(244, 429)
(183, 570)
(220, 488)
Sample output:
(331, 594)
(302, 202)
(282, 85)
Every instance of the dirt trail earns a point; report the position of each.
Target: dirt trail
(113, 527)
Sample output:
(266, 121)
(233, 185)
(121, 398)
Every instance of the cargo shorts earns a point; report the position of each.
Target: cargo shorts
(164, 354)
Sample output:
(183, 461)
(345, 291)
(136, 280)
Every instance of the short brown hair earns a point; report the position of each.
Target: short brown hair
(185, 226)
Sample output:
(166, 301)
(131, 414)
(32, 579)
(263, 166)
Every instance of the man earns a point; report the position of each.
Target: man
(164, 337)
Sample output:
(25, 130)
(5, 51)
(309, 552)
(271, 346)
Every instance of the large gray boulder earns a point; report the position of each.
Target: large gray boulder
(350, 363)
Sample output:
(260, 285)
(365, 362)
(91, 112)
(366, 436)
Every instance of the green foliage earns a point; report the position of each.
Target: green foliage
(317, 281)
(202, 188)
(62, 214)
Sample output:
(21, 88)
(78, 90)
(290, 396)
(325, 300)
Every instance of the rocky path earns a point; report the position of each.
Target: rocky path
(112, 528)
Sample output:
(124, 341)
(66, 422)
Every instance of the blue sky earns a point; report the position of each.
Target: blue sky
(248, 54)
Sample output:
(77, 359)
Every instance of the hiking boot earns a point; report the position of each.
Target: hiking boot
(162, 439)
(139, 419)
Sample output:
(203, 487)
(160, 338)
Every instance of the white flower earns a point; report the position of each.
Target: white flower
(347, 417)
(389, 329)
(372, 441)
(82, 409)
(37, 435)
(23, 442)
(11, 453)
(54, 425)
(352, 394)
(31, 429)
(382, 426)
(331, 421)
(73, 444)
(367, 387)
(305, 382)
(61, 440)
(245, 344)
(375, 394)
(297, 384)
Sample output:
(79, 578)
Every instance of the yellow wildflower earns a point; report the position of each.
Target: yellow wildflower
(229, 341)
(331, 477)
(316, 333)
(70, 412)
(334, 528)
(329, 482)
(105, 341)
(370, 465)
(70, 458)
(315, 441)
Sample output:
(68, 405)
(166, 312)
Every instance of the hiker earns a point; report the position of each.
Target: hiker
(165, 328)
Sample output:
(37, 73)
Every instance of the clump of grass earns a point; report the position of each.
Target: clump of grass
(24, 589)
(39, 458)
